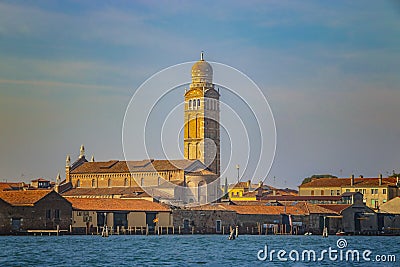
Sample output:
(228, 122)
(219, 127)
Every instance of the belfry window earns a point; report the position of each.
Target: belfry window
(198, 103)
(190, 104)
(194, 103)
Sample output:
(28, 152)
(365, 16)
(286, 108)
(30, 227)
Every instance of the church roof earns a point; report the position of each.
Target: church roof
(116, 166)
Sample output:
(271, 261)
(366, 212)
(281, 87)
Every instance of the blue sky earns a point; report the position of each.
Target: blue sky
(330, 71)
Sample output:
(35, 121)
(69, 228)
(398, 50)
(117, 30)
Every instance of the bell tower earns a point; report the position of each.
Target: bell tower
(201, 116)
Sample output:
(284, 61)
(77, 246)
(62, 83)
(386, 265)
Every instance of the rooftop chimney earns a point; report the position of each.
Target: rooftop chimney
(352, 180)
(380, 179)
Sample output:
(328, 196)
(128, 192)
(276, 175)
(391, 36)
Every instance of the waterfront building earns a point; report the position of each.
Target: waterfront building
(24, 210)
(389, 217)
(90, 215)
(376, 191)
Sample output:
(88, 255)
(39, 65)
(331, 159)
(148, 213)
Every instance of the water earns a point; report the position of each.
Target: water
(183, 250)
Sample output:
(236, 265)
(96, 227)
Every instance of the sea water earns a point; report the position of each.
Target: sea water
(197, 250)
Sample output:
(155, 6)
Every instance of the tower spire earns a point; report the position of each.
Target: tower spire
(202, 56)
(82, 152)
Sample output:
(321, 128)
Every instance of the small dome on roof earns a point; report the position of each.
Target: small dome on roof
(202, 71)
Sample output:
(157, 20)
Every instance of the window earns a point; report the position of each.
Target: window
(78, 183)
(126, 182)
(347, 190)
(142, 182)
(374, 191)
(218, 226)
(198, 103)
(332, 192)
(190, 104)
(109, 183)
(322, 192)
(338, 192)
(312, 192)
(56, 214)
(48, 214)
(194, 104)
(384, 191)
(93, 183)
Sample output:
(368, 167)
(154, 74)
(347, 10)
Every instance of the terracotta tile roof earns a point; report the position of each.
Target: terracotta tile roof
(102, 191)
(301, 198)
(213, 206)
(23, 197)
(338, 208)
(115, 166)
(115, 204)
(318, 209)
(11, 186)
(338, 182)
(267, 210)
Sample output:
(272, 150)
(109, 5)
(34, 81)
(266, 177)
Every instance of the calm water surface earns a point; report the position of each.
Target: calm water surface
(184, 250)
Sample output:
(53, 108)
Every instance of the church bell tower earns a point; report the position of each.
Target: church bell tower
(202, 131)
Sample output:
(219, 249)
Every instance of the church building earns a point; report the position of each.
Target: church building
(194, 179)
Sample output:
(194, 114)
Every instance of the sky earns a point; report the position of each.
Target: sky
(329, 70)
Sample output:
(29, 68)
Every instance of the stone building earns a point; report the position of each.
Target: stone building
(33, 210)
(165, 180)
(120, 215)
(207, 219)
(194, 179)
(389, 217)
(376, 191)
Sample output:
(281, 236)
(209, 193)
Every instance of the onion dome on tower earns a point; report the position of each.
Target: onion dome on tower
(202, 71)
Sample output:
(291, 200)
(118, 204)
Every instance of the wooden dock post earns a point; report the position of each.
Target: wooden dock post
(223, 230)
(58, 229)
(173, 230)
(179, 229)
(147, 229)
(192, 230)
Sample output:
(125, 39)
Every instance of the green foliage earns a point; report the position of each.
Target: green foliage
(317, 176)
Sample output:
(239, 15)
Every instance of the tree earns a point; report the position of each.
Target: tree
(317, 176)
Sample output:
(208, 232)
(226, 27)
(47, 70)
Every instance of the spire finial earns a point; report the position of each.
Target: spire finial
(202, 56)
(82, 152)
(67, 161)
(92, 158)
(58, 179)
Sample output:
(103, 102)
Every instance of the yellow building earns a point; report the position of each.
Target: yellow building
(376, 191)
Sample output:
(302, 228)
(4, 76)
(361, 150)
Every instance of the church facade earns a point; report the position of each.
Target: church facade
(194, 179)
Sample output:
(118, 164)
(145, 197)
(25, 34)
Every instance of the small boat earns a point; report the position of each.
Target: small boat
(340, 233)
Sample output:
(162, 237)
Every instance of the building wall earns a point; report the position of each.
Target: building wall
(203, 221)
(137, 219)
(5, 218)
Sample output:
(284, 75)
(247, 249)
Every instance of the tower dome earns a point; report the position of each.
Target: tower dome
(202, 71)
